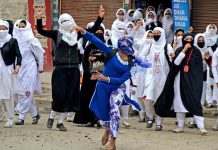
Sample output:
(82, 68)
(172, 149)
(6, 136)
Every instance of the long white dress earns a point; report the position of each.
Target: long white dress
(157, 74)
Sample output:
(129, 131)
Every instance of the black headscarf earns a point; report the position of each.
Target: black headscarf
(11, 26)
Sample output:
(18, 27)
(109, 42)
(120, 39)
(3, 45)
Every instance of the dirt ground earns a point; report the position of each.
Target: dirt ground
(137, 137)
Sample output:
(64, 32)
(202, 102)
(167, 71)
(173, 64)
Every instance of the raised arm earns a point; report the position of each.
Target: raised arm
(98, 21)
(93, 39)
(48, 33)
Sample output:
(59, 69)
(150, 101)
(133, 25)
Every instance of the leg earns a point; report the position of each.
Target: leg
(60, 124)
(9, 104)
(51, 119)
(34, 112)
(180, 116)
(142, 112)
(125, 112)
(200, 124)
(24, 102)
(149, 109)
(159, 123)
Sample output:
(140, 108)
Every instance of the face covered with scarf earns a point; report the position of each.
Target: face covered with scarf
(188, 39)
(100, 32)
(211, 34)
(66, 25)
(125, 46)
(4, 32)
(23, 31)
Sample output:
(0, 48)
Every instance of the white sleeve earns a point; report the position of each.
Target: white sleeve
(179, 59)
(215, 66)
(38, 53)
(169, 49)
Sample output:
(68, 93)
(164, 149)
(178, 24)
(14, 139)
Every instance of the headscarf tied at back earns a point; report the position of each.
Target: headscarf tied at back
(125, 45)
(66, 24)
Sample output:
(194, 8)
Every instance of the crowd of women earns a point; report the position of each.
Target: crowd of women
(140, 62)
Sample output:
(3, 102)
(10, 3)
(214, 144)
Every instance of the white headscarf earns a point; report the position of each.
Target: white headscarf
(123, 10)
(23, 34)
(167, 22)
(158, 46)
(66, 24)
(128, 18)
(138, 14)
(140, 33)
(129, 31)
(147, 43)
(115, 28)
(118, 33)
(211, 35)
(4, 35)
(149, 20)
(146, 12)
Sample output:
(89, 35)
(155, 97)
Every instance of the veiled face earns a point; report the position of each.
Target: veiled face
(3, 27)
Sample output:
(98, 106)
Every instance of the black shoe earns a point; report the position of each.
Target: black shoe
(19, 122)
(50, 123)
(61, 127)
(89, 124)
(149, 124)
(158, 128)
(36, 119)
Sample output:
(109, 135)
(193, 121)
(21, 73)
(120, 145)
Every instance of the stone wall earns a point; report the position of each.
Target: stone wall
(13, 9)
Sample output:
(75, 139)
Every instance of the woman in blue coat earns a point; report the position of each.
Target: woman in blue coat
(110, 88)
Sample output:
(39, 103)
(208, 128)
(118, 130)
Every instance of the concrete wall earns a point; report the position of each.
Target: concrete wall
(13, 9)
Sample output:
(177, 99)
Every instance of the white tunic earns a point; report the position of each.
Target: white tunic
(215, 74)
(29, 74)
(8, 82)
(177, 101)
(157, 74)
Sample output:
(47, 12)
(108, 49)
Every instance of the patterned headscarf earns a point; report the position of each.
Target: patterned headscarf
(125, 45)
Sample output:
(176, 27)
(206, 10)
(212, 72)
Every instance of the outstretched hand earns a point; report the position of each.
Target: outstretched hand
(101, 11)
(79, 29)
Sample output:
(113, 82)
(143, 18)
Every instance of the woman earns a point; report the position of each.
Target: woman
(92, 55)
(138, 14)
(141, 74)
(149, 8)
(118, 26)
(10, 62)
(139, 34)
(65, 92)
(183, 88)
(212, 37)
(110, 90)
(215, 74)
(167, 23)
(159, 53)
(178, 39)
(129, 15)
(33, 55)
(151, 21)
